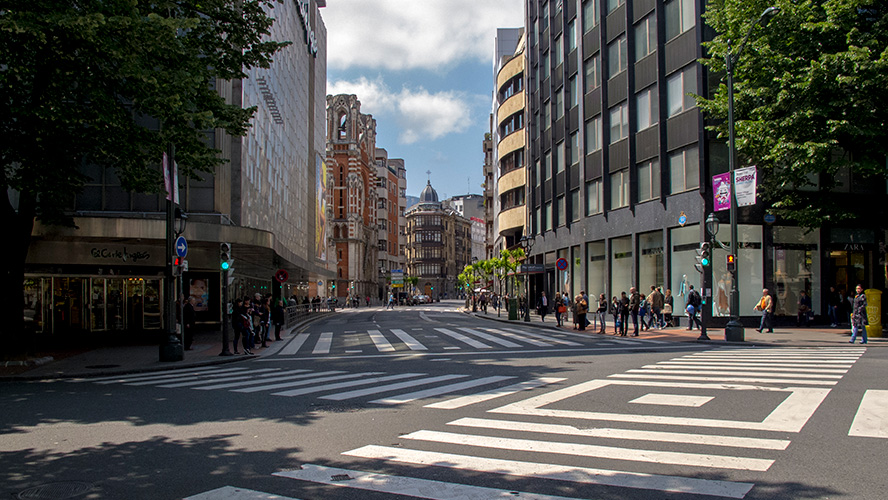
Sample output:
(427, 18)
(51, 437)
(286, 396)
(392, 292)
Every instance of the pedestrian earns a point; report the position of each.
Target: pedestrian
(766, 307)
(277, 317)
(668, 304)
(804, 314)
(236, 322)
(833, 301)
(602, 312)
(247, 326)
(615, 308)
(656, 300)
(188, 323)
(264, 310)
(624, 314)
(643, 312)
(543, 306)
(859, 318)
(581, 307)
(693, 308)
(634, 308)
(558, 306)
(391, 302)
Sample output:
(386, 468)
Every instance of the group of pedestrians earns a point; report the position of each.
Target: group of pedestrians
(252, 319)
(647, 312)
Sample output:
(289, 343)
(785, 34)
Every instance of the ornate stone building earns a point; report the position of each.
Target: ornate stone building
(352, 197)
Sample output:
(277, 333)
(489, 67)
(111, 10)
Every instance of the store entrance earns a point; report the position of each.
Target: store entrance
(847, 269)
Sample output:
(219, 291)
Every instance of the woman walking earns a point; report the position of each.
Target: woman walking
(581, 307)
(859, 318)
(602, 312)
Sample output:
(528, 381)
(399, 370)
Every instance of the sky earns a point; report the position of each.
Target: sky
(424, 70)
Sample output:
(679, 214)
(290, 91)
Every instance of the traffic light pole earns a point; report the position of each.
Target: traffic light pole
(226, 317)
(170, 348)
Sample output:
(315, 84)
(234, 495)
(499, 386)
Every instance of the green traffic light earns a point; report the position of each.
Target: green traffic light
(704, 261)
(225, 266)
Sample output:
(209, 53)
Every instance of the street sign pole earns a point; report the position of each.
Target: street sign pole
(170, 348)
(226, 317)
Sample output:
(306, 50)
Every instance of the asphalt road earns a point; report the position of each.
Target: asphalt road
(427, 402)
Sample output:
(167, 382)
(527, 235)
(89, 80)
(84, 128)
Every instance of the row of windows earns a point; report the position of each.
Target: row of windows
(512, 161)
(512, 123)
(512, 87)
(512, 198)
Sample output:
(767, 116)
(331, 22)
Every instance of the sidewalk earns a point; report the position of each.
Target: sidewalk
(782, 336)
(139, 358)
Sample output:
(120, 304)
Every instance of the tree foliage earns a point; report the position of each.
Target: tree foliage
(79, 80)
(810, 100)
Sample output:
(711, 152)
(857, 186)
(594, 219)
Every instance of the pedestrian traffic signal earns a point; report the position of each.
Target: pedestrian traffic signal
(225, 256)
(705, 250)
(178, 265)
(731, 263)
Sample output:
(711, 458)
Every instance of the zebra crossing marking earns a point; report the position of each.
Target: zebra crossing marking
(462, 338)
(208, 375)
(382, 345)
(232, 493)
(490, 338)
(408, 340)
(324, 344)
(344, 385)
(390, 387)
(521, 338)
(548, 338)
(314, 380)
(871, 419)
(249, 375)
(401, 485)
(726, 379)
(279, 377)
(742, 366)
(436, 391)
(460, 402)
(119, 379)
(293, 346)
(591, 450)
(580, 475)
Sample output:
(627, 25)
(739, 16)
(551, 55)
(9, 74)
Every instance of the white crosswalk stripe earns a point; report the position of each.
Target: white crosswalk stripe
(408, 340)
(462, 338)
(437, 391)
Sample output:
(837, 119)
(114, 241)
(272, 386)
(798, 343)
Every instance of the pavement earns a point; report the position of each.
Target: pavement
(207, 346)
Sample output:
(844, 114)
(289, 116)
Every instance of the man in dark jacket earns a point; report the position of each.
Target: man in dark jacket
(634, 305)
(188, 322)
(624, 314)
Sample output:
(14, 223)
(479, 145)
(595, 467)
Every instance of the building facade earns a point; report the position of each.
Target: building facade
(391, 176)
(351, 166)
(439, 245)
(108, 273)
(620, 167)
(472, 207)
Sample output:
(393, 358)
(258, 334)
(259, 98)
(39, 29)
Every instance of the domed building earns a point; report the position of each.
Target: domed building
(439, 245)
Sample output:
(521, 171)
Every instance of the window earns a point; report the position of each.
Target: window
(648, 180)
(562, 215)
(592, 73)
(573, 95)
(645, 37)
(591, 13)
(593, 134)
(559, 104)
(574, 148)
(619, 182)
(547, 216)
(684, 170)
(679, 17)
(613, 4)
(544, 17)
(647, 109)
(538, 172)
(575, 205)
(559, 157)
(545, 65)
(545, 115)
(594, 196)
(617, 57)
(619, 122)
(547, 166)
(557, 52)
(678, 88)
(571, 36)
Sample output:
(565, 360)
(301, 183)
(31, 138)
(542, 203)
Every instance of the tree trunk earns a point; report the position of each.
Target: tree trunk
(12, 309)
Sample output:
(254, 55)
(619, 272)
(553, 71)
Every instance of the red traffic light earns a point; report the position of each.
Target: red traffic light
(731, 263)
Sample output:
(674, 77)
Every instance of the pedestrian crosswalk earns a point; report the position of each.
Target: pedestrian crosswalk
(585, 450)
(333, 385)
(440, 338)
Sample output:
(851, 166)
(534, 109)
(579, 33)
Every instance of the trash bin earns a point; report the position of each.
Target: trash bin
(874, 312)
(513, 309)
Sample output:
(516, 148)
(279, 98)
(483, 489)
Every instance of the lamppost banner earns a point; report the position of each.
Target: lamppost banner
(721, 191)
(744, 186)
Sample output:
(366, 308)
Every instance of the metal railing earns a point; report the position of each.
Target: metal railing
(299, 312)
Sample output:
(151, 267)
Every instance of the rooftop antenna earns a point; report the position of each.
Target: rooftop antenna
(468, 185)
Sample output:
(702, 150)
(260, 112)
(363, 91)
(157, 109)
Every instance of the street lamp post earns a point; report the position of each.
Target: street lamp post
(474, 302)
(734, 329)
(526, 243)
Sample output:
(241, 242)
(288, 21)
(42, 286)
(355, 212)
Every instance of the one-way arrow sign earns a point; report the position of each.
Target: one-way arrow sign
(181, 246)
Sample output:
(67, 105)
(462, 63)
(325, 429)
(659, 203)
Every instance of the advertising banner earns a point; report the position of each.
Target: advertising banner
(721, 192)
(744, 186)
(321, 209)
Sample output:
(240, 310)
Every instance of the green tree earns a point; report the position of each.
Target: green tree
(112, 83)
(810, 101)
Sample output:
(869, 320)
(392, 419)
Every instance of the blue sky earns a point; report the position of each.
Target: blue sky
(424, 70)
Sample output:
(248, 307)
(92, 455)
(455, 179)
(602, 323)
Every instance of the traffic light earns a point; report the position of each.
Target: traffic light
(178, 266)
(225, 256)
(703, 256)
(731, 263)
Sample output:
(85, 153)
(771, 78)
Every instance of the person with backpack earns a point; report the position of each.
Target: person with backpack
(694, 307)
(581, 307)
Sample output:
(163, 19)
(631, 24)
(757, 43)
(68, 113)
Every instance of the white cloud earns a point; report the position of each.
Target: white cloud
(419, 114)
(411, 34)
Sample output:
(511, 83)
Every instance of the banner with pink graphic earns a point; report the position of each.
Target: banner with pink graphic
(721, 192)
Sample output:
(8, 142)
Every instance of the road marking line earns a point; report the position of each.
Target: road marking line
(490, 338)
(462, 338)
(315, 380)
(548, 338)
(165, 375)
(741, 366)
(581, 475)
(522, 338)
(407, 486)
(324, 343)
(232, 493)
(296, 375)
(706, 371)
(250, 375)
(672, 400)
(293, 345)
(382, 345)
(452, 404)
(729, 379)
(871, 419)
(343, 385)
(181, 378)
(444, 389)
(611, 433)
(408, 340)
(597, 451)
(391, 387)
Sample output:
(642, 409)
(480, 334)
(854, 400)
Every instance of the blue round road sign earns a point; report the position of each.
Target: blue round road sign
(181, 246)
(561, 264)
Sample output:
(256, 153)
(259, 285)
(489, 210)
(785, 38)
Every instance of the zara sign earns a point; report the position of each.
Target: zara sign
(311, 39)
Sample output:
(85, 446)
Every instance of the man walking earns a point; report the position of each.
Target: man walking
(656, 299)
(695, 306)
(766, 306)
(634, 305)
(624, 314)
